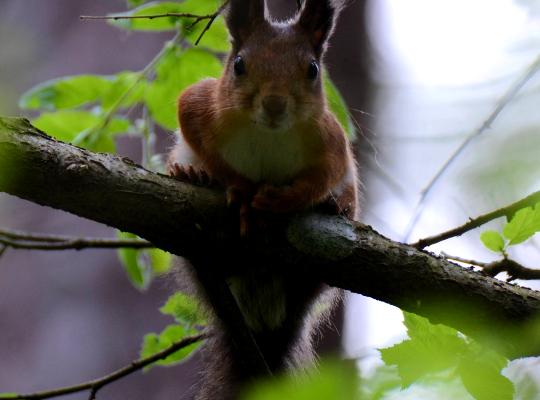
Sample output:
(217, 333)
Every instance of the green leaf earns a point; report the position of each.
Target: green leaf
(481, 376)
(493, 241)
(138, 273)
(154, 343)
(160, 261)
(67, 92)
(524, 224)
(8, 395)
(338, 106)
(185, 309)
(430, 349)
(146, 24)
(66, 125)
(177, 70)
(336, 381)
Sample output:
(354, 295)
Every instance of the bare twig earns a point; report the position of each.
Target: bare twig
(152, 16)
(464, 260)
(501, 105)
(76, 244)
(210, 21)
(514, 270)
(95, 385)
(507, 211)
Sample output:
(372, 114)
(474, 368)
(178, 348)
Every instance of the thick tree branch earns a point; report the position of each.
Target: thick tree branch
(187, 221)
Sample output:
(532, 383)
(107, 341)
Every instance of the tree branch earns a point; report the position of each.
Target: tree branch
(95, 385)
(507, 212)
(506, 99)
(52, 243)
(190, 221)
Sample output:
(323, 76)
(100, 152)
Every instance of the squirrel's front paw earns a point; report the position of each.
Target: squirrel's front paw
(190, 174)
(274, 199)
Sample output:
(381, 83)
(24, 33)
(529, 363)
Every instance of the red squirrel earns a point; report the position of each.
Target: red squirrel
(264, 132)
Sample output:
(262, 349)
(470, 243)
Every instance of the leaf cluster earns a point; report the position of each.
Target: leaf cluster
(520, 227)
(442, 352)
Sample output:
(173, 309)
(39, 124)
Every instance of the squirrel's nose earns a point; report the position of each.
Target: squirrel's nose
(274, 106)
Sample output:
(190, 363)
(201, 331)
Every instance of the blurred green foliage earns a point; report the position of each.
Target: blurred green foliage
(442, 352)
(332, 380)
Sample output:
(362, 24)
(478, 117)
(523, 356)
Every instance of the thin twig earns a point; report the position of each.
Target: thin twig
(507, 211)
(77, 244)
(514, 270)
(95, 385)
(33, 237)
(464, 260)
(503, 102)
(152, 16)
(210, 21)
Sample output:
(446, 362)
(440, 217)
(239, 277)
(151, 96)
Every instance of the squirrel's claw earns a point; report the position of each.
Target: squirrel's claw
(191, 174)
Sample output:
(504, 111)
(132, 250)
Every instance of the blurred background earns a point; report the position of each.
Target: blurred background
(419, 76)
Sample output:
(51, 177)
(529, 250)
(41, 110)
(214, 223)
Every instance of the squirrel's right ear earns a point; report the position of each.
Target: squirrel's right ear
(242, 18)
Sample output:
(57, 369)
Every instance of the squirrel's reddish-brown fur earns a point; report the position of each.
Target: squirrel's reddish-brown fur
(265, 133)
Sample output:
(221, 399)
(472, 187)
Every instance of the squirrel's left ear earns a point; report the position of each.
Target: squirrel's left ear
(317, 19)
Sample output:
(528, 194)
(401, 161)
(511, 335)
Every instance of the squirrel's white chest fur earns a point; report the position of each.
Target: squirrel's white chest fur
(261, 155)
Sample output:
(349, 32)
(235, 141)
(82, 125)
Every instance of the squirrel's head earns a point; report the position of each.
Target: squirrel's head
(274, 73)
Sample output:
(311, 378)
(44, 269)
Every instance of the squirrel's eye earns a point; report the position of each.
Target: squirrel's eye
(313, 70)
(239, 66)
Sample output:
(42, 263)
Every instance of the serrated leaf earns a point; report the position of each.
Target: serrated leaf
(146, 24)
(493, 241)
(176, 71)
(338, 106)
(481, 376)
(430, 349)
(66, 92)
(66, 125)
(185, 309)
(524, 224)
(153, 343)
(137, 273)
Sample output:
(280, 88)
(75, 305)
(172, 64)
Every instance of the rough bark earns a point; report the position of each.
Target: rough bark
(187, 220)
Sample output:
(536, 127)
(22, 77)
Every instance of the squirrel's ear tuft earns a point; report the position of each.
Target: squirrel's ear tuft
(317, 19)
(242, 18)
